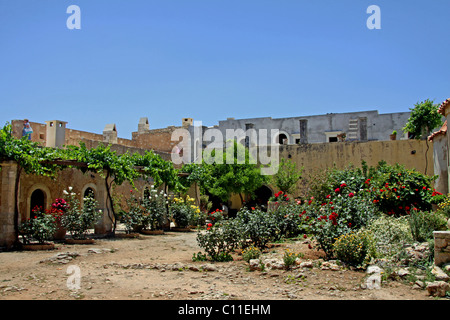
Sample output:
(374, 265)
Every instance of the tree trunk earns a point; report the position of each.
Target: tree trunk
(111, 204)
(16, 206)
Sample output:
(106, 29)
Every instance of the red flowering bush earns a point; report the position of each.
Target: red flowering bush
(279, 197)
(215, 216)
(40, 227)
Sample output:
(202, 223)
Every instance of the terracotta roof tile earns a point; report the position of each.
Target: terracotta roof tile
(444, 105)
(442, 131)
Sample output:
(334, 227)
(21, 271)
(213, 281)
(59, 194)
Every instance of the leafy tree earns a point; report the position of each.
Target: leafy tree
(239, 177)
(424, 118)
(108, 164)
(287, 176)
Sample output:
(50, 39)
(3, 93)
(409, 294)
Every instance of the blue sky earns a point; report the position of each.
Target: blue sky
(214, 59)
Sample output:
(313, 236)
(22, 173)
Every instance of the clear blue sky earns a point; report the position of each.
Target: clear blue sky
(213, 59)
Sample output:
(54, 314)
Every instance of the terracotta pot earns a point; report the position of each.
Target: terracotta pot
(60, 233)
(127, 235)
(152, 232)
(178, 229)
(80, 241)
(393, 136)
(38, 246)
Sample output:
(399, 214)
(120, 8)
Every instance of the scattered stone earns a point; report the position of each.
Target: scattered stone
(402, 273)
(61, 258)
(97, 250)
(438, 288)
(274, 264)
(374, 269)
(439, 274)
(306, 264)
(255, 264)
(209, 267)
(329, 266)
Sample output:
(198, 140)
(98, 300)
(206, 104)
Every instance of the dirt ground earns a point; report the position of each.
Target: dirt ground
(160, 267)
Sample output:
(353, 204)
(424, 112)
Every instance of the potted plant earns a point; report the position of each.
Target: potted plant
(133, 218)
(155, 212)
(77, 219)
(39, 228)
(182, 213)
(59, 207)
(393, 136)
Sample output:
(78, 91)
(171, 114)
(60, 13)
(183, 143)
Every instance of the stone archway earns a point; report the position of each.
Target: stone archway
(261, 198)
(39, 195)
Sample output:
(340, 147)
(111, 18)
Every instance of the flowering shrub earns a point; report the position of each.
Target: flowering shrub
(390, 234)
(355, 248)
(250, 253)
(183, 212)
(77, 219)
(154, 209)
(59, 207)
(289, 220)
(220, 240)
(444, 206)
(257, 226)
(423, 223)
(40, 227)
(279, 197)
(215, 216)
(394, 190)
(133, 218)
(290, 257)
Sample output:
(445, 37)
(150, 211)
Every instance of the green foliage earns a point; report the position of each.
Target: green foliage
(235, 174)
(250, 253)
(287, 176)
(220, 240)
(133, 217)
(30, 156)
(77, 219)
(424, 118)
(290, 257)
(390, 234)
(183, 212)
(41, 227)
(155, 210)
(423, 223)
(257, 226)
(355, 248)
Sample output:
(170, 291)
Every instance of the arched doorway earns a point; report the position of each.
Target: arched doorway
(262, 196)
(89, 192)
(37, 200)
(283, 139)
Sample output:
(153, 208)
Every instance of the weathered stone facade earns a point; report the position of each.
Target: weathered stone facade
(441, 247)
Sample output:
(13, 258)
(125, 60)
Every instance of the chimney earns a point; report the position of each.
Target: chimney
(56, 133)
(143, 125)
(186, 122)
(110, 133)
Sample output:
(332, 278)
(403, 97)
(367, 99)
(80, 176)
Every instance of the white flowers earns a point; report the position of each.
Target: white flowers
(65, 192)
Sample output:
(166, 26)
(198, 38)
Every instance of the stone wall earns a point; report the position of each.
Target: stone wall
(441, 247)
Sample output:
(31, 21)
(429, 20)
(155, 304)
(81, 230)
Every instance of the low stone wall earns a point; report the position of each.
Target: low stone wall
(441, 247)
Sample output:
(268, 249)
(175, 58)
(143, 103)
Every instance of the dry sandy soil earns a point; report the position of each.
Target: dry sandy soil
(161, 268)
